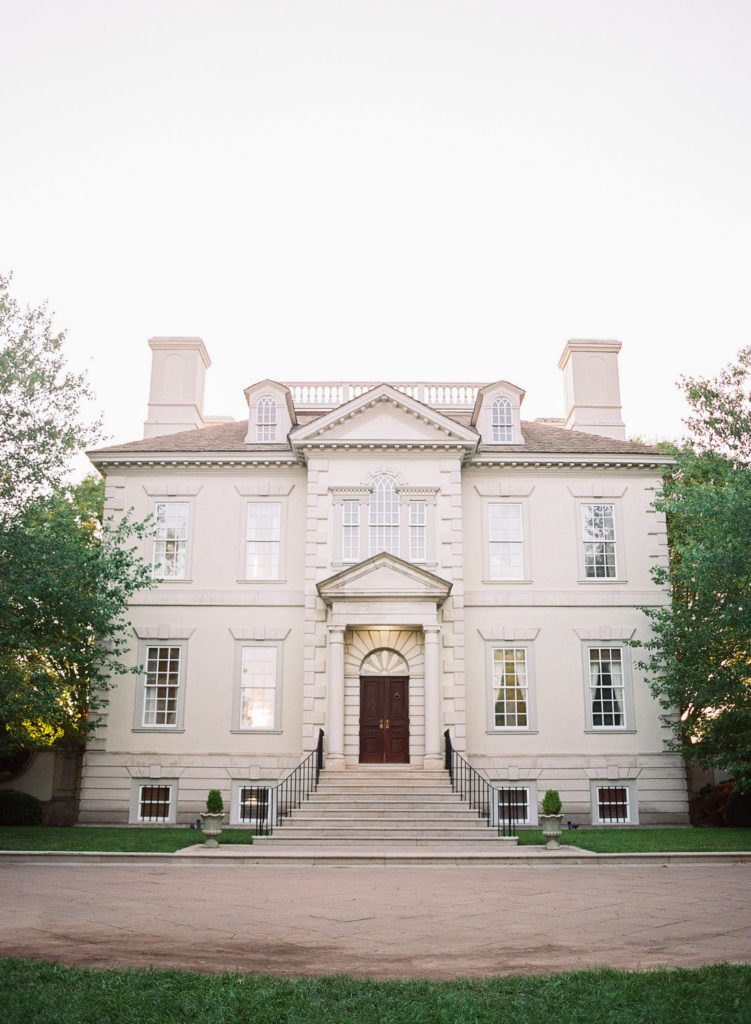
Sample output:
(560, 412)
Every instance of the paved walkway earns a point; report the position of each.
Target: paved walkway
(386, 921)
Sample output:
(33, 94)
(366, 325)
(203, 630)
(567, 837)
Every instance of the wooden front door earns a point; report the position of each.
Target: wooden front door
(384, 719)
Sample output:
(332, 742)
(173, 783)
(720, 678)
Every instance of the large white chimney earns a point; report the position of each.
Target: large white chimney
(178, 375)
(593, 393)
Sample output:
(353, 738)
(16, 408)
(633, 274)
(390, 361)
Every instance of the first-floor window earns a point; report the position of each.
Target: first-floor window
(612, 804)
(170, 540)
(258, 687)
(510, 687)
(606, 686)
(154, 803)
(263, 540)
(161, 685)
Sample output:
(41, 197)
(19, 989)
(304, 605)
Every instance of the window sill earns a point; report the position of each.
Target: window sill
(252, 582)
(511, 730)
(599, 580)
(157, 728)
(160, 581)
(257, 732)
(609, 730)
(505, 583)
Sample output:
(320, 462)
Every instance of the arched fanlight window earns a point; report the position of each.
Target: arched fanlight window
(384, 516)
(502, 421)
(266, 419)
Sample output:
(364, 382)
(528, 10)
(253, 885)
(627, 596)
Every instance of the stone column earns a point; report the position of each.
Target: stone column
(433, 758)
(335, 746)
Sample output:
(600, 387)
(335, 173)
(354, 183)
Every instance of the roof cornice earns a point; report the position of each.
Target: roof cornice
(579, 461)
(194, 459)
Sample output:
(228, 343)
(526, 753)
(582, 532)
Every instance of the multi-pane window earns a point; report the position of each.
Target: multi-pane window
(154, 803)
(417, 531)
(258, 687)
(254, 805)
(384, 516)
(266, 420)
(171, 540)
(598, 535)
(161, 686)
(506, 541)
(612, 804)
(350, 531)
(513, 805)
(263, 540)
(502, 421)
(606, 686)
(510, 687)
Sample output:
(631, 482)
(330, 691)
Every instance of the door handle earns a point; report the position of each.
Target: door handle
(380, 724)
(387, 723)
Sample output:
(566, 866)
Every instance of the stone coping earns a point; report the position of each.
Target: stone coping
(201, 855)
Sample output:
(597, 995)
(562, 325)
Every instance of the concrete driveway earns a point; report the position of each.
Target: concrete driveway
(427, 921)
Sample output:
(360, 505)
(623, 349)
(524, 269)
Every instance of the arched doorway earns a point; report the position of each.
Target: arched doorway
(384, 708)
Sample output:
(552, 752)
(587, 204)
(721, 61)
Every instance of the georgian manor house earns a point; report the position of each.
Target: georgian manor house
(387, 561)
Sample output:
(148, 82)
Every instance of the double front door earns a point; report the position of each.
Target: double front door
(384, 719)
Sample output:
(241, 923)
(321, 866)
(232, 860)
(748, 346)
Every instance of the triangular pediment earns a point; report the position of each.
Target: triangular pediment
(384, 577)
(387, 416)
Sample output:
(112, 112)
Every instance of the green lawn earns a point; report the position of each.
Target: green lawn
(169, 840)
(112, 840)
(649, 840)
(31, 991)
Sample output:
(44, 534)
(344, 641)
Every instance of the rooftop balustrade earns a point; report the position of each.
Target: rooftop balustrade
(443, 396)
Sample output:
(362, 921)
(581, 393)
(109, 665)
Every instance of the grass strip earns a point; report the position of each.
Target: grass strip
(39, 992)
(649, 840)
(111, 840)
(169, 840)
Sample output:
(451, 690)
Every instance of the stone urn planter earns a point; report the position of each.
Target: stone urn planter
(551, 819)
(212, 818)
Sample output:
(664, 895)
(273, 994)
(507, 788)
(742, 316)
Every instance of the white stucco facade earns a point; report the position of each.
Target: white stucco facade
(420, 532)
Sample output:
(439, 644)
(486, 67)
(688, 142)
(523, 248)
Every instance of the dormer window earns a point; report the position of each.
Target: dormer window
(266, 419)
(502, 421)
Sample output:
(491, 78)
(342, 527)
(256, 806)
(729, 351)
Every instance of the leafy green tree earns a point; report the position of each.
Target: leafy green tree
(64, 592)
(698, 659)
(66, 576)
(42, 406)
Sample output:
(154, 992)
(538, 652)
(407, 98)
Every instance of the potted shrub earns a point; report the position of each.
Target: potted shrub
(551, 819)
(213, 817)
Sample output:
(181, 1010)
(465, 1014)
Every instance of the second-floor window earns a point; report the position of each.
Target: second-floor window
(266, 419)
(598, 536)
(505, 541)
(171, 540)
(384, 516)
(263, 540)
(350, 530)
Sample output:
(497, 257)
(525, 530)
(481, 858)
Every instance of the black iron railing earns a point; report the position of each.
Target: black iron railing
(502, 807)
(264, 808)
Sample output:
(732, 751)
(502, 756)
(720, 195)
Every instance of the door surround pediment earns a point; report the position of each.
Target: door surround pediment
(384, 578)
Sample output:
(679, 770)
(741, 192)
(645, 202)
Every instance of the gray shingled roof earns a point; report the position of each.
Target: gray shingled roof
(230, 437)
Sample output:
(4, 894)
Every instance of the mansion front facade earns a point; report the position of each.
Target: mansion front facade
(386, 562)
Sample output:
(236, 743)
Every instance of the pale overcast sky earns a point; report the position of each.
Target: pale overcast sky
(385, 190)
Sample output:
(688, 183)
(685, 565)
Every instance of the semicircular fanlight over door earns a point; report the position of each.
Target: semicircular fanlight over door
(384, 662)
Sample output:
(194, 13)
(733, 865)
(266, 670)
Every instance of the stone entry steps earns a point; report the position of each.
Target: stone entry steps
(384, 808)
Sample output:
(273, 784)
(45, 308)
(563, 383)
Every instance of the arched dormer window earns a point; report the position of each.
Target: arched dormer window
(384, 516)
(502, 421)
(266, 419)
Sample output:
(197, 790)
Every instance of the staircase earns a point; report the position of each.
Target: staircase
(377, 809)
